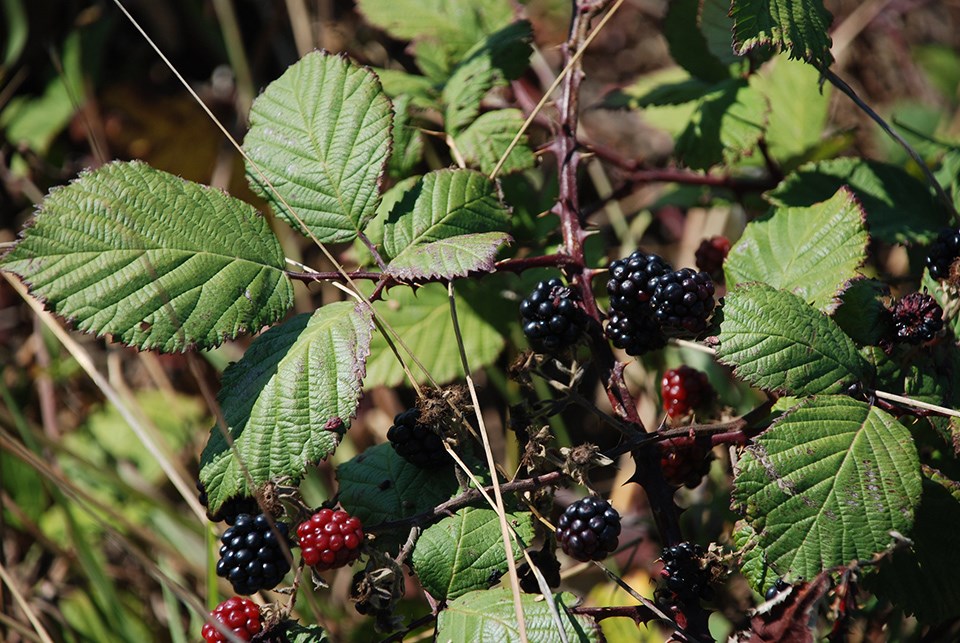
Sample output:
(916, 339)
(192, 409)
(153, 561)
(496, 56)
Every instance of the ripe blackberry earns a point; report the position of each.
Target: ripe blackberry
(711, 254)
(589, 529)
(943, 252)
(551, 317)
(635, 332)
(252, 555)
(684, 389)
(231, 507)
(917, 317)
(684, 575)
(683, 462)
(632, 280)
(683, 301)
(778, 586)
(240, 616)
(417, 443)
(330, 539)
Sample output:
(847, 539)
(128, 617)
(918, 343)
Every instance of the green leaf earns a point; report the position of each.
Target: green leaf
(798, 26)
(155, 261)
(812, 252)
(407, 141)
(448, 225)
(946, 297)
(827, 483)
(689, 44)
(465, 552)
(882, 190)
(716, 25)
(422, 319)
(288, 400)
(297, 633)
(726, 125)
(488, 616)
(776, 341)
(396, 83)
(753, 564)
(321, 135)
(862, 314)
(487, 138)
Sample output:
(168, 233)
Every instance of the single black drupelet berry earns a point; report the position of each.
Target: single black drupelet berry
(683, 573)
(633, 280)
(551, 317)
(415, 442)
(917, 317)
(252, 555)
(943, 252)
(636, 333)
(683, 301)
(589, 529)
(231, 507)
(778, 586)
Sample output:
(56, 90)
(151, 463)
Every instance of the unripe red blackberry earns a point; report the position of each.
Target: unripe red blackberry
(240, 616)
(917, 317)
(589, 529)
(943, 253)
(685, 389)
(711, 255)
(636, 332)
(417, 443)
(683, 301)
(330, 539)
(632, 280)
(683, 462)
(551, 317)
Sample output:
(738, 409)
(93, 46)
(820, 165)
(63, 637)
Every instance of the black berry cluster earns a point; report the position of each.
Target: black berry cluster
(417, 443)
(253, 556)
(589, 529)
(633, 280)
(917, 318)
(683, 572)
(943, 253)
(636, 333)
(683, 300)
(551, 317)
(230, 509)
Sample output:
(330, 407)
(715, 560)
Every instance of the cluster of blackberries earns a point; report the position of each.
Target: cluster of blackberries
(417, 443)
(649, 301)
(589, 529)
(917, 318)
(231, 507)
(330, 539)
(551, 317)
(254, 554)
(943, 253)
(683, 572)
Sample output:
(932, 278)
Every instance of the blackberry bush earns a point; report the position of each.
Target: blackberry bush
(240, 616)
(330, 539)
(417, 443)
(589, 529)
(551, 317)
(254, 554)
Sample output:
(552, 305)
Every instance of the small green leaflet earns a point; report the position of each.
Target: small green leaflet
(288, 400)
(776, 341)
(488, 616)
(297, 633)
(827, 483)
(487, 138)
(449, 224)
(321, 136)
(812, 252)
(726, 125)
(801, 27)
(861, 313)
(465, 552)
(155, 261)
(689, 45)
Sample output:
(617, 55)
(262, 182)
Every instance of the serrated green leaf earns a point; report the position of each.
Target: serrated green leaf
(800, 27)
(726, 125)
(488, 616)
(862, 314)
(753, 565)
(812, 252)
(418, 89)
(297, 633)
(716, 25)
(827, 483)
(465, 552)
(407, 142)
(153, 260)
(423, 321)
(883, 190)
(689, 44)
(487, 138)
(288, 400)
(321, 135)
(448, 225)
(776, 341)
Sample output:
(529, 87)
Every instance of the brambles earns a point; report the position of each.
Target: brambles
(943, 252)
(253, 555)
(683, 573)
(230, 509)
(683, 301)
(685, 389)
(589, 529)
(710, 254)
(917, 318)
(551, 317)
(330, 539)
(240, 616)
(417, 443)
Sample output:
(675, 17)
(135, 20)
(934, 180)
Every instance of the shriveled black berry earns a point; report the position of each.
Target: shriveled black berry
(633, 280)
(917, 317)
(252, 555)
(551, 317)
(231, 507)
(417, 443)
(636, 333)
(943, 252)
(683, 301)
(589, 529)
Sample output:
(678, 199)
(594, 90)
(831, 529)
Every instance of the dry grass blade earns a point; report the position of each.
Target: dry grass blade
(22, 603)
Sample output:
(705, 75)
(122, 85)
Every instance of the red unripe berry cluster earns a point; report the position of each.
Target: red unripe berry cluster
(330, 539)
(711, 254)
(239, 615)
(685, 389)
